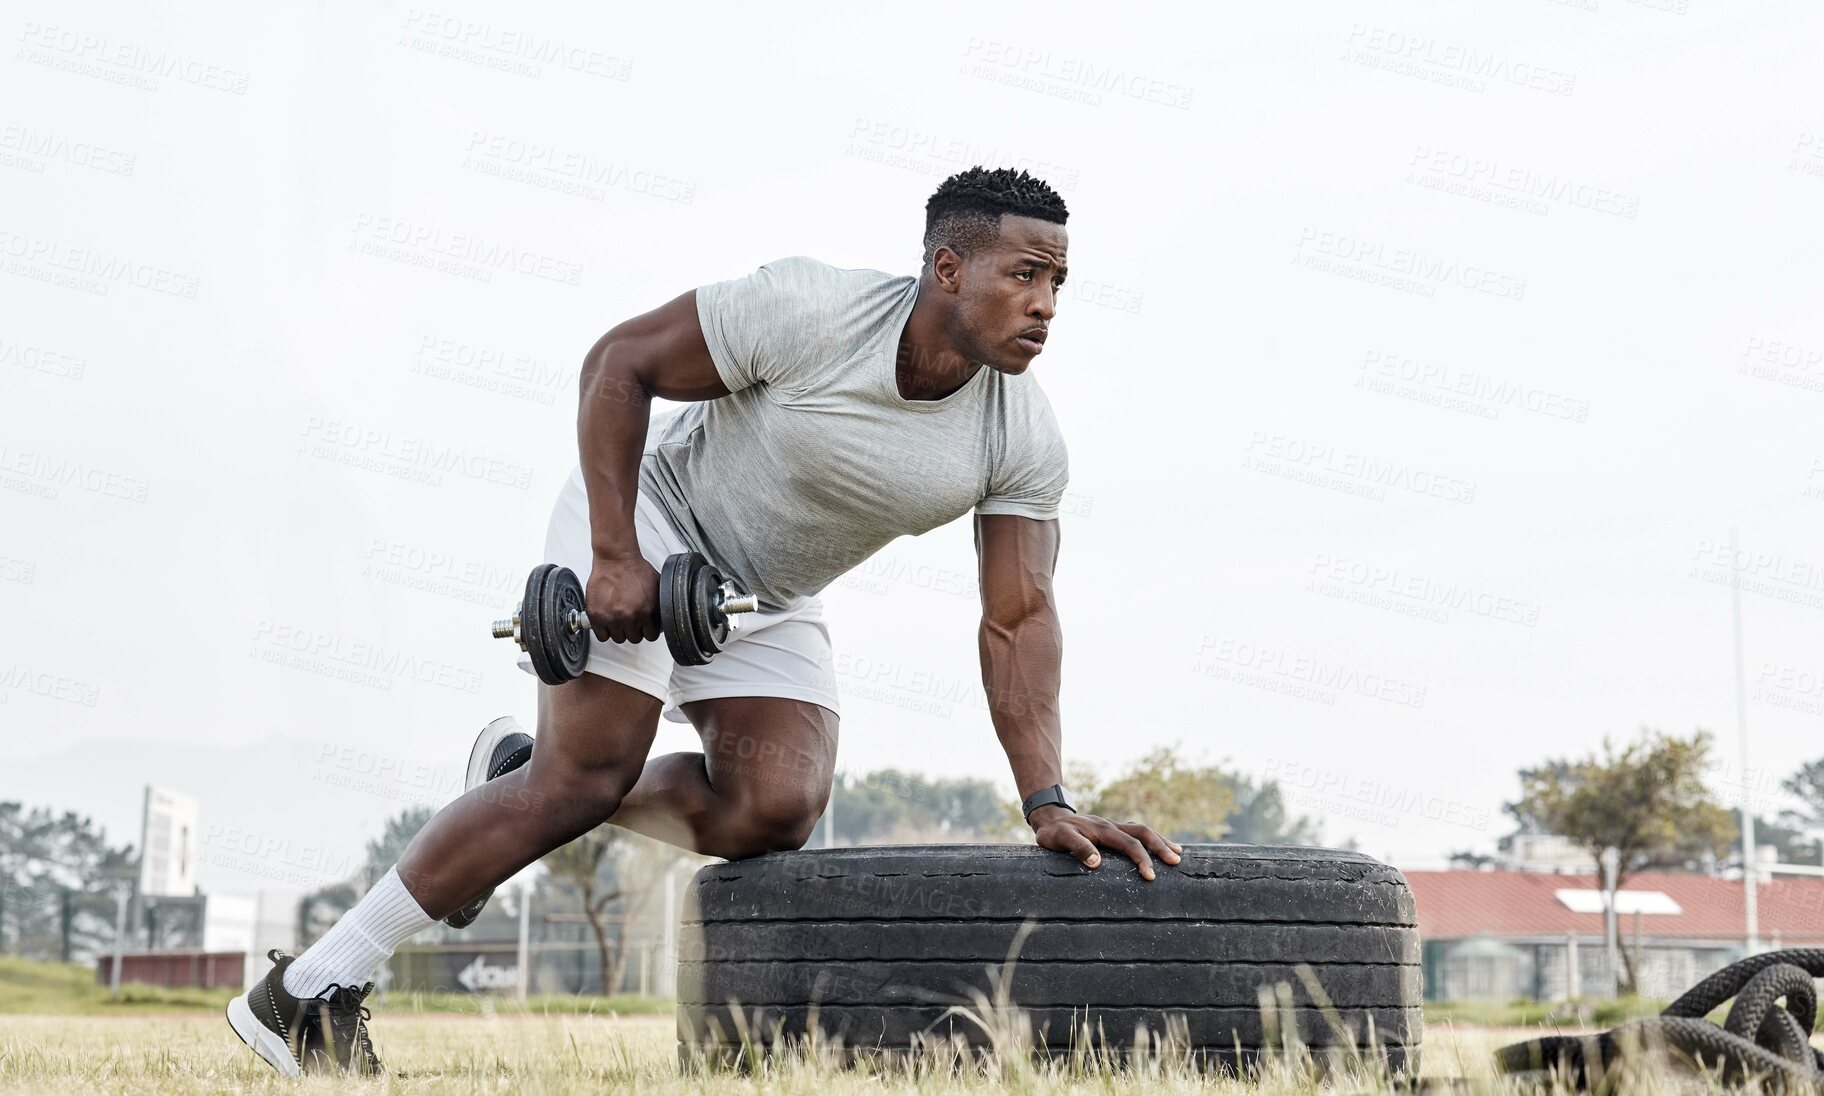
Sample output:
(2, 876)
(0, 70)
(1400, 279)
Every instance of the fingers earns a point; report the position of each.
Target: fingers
(1080, 834)
(1155, 843)
(1113, 836)
(1066, 838)
(620, 632)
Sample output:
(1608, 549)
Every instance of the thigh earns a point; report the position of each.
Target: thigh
(758, 748)
(593, 725)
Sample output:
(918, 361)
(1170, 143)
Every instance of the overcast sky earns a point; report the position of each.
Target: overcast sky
(1416, 363)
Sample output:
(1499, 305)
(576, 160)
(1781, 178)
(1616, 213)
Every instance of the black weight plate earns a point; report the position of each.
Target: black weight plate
(674, 607)
(531, 623)
(709, 626)
(717, 618)
(695, 603)
(700, 631)
(668, 578)
(570, 649)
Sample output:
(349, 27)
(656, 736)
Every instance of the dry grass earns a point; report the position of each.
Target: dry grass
(530, 1053)
(176, 1044)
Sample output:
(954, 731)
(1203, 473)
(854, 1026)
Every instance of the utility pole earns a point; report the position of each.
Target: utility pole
(120, 939)
(1573, 976)
(1611, 860)
(1750, 857)
(525, 937)
(668, 962)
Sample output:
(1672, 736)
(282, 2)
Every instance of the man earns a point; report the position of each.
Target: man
(828, 412)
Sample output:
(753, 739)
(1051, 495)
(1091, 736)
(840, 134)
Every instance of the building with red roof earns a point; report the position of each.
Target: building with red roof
(1501, 935)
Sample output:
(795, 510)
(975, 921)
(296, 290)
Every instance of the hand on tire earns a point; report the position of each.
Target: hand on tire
(1079, 835)
(622, 599)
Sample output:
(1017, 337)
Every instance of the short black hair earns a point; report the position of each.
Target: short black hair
(965, 212)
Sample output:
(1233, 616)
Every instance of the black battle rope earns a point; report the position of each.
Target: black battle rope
(1758, 1038)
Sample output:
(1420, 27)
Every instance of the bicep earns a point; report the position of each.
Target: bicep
(1017, 557)
(664, 350)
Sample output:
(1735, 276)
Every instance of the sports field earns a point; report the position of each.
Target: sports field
(506, 1053)
(60, 1033)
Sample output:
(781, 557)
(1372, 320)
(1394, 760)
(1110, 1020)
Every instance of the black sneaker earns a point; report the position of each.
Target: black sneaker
(501, 747)
(323, 1034)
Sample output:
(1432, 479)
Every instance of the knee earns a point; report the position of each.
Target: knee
(576, 799)
(778, 820)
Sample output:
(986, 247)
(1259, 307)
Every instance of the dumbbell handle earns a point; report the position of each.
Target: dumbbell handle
(506, 629)
(729, 602)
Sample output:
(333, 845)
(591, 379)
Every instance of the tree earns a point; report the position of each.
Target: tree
(613, 872)
(1807, 785)
(60, 880)
(1647, 802)
(1185, 802)
(1792, 843)
(1551, 772)
(1190, 802)
(384, 851)
(321, 909)
(642, 868)
(1260, 816)
(896, 806)
(579, 866)
(1475, 861)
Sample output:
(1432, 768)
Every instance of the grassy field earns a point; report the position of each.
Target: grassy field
(62, 1034)
(529, 1053)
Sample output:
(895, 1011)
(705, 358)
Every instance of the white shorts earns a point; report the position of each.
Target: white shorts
(785, 654)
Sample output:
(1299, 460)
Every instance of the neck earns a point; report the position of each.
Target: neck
(928, 366)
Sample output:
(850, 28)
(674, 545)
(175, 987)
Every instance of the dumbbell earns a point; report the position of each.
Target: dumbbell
(552, 627)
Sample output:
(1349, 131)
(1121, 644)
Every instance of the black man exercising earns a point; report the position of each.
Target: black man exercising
(827, 411)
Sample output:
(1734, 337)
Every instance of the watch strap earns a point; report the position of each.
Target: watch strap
(1045, 797)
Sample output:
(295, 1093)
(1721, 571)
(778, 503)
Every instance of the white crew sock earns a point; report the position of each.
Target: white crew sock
(354, 947)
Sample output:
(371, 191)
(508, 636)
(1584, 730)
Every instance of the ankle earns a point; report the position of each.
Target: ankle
(358, 944)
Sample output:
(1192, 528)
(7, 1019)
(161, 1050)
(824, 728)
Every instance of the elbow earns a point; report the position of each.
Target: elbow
(604, 375)
(1006, 620)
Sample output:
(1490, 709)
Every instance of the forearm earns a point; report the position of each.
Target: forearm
(612, 417)
(1021, 671)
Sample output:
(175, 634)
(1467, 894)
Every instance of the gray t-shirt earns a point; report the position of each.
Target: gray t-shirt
(814, 460)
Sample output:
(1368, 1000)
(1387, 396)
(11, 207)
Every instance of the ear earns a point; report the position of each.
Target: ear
(947, 269)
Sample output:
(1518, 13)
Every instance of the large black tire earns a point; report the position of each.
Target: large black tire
(874, 945)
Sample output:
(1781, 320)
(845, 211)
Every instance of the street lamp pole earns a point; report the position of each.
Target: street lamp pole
(525, 937)
(1750, 857)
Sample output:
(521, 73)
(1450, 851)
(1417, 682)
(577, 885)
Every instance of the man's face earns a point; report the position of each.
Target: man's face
(1008, 294)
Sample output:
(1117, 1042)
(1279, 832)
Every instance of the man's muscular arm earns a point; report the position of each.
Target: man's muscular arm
(1022, 649)
(661, 353)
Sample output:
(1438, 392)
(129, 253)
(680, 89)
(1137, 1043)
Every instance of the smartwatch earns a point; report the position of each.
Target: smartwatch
(1045, 797)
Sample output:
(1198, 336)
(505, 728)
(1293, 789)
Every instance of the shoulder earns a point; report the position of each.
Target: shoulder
(811, 277)
(1032, 465)
(808, 294)
(790, 320)
(1029, 412)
